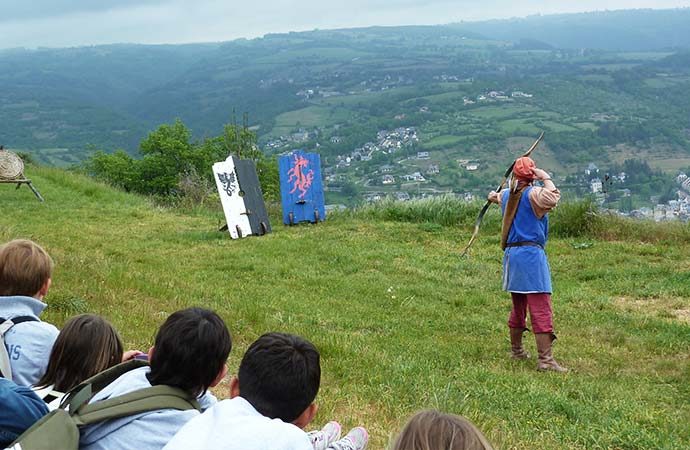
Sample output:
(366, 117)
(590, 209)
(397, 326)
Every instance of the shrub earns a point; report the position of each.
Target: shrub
(193, 189)
(173, 166)
(574, 218)
(118, 169)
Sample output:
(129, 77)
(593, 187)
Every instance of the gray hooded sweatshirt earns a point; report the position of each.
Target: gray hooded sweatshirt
(145, 431)
(29, 343)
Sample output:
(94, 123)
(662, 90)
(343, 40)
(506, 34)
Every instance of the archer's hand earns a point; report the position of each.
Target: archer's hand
(540, 174)
(493, 197)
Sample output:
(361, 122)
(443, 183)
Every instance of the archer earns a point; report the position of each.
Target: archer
(526, 273)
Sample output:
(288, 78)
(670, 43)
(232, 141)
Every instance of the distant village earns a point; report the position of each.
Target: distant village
(387, 142)
(400, 184)
(676, 209)
(303, 135)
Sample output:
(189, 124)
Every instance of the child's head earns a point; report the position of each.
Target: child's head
(190, 351)
(25, 269)
(433, 430)
(86, 345)
(280, 376)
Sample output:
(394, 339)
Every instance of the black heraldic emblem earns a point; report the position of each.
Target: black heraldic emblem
(229, 182)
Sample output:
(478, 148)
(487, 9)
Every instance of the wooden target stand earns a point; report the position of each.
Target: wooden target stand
(12, 171)
(240, 194)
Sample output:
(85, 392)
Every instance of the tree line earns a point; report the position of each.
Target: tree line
(173, 165)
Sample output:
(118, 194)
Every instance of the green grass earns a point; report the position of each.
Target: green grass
(401, 321)
(443, 141)
(596, 77)
(502, 112)
(444, 97)
(309, 117)
(586, 125)
(325, 53)
(557, 127)
(522, 125)
(644, 56)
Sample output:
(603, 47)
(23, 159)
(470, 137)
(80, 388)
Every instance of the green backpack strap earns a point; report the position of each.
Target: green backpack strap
(143, 400)
(83, 392)
(60, 429)
(56, 430)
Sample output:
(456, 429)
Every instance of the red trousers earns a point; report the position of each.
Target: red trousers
(540, 312)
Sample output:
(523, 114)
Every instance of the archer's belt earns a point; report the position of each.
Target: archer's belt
(525, 244)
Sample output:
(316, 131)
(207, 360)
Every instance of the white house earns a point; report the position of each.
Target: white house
(686, 184)
(591, 169)
(596, 185)
(414, 177)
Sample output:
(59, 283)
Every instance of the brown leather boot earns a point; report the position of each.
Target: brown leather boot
(516, 350)
(546, 361)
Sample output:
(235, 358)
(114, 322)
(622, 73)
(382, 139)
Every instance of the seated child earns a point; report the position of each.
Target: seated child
(25, 271)
(20, 409)
(431, 429)
(271, 402)
(189, 353)
(87, 344)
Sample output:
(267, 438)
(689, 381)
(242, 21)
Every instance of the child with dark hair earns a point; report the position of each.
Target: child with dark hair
(272, 400)
(87, 344)
(434, 430)
(280, 376)
(189, 353)
(25, 277)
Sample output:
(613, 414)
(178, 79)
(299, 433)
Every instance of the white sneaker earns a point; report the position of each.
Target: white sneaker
(321, 439)
(356, 439)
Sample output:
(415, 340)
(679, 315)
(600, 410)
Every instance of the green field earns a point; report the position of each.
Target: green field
(315, 53)
(309, 117)
(502, 111)
(521, 125)
(443, 141)
(401, 321)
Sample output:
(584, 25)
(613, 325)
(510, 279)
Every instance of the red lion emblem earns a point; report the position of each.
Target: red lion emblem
(301, 180)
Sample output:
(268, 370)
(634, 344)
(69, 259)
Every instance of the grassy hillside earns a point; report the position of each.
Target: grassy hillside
(401, 321)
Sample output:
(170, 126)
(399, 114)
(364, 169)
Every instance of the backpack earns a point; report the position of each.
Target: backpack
(60, 428)
(5, 326)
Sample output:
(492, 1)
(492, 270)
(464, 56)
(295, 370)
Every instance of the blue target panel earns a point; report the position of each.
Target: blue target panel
(301, 188)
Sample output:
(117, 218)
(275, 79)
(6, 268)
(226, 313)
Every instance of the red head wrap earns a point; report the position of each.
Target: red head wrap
(523, 168)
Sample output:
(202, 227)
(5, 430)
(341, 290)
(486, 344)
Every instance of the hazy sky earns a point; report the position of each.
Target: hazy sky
(61, 23)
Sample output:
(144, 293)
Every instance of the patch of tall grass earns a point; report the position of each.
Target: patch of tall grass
(611, 227)
(574, 219)
(446, 210)
(577, 218)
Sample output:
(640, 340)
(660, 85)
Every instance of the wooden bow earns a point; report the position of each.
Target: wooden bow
(478, 222)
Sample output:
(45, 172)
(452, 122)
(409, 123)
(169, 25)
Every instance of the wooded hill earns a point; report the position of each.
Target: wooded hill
(59, 103)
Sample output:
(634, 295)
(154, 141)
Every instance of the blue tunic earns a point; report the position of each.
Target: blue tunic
(525, 269)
